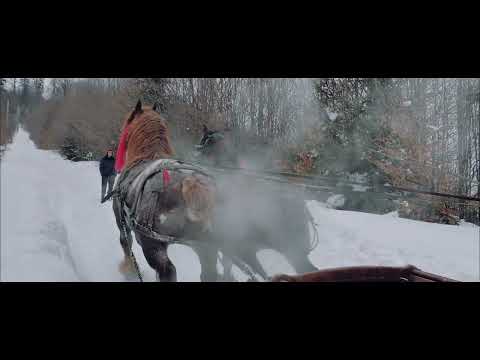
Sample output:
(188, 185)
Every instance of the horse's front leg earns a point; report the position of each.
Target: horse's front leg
(126, 240)
(227, 268)
(157, 257)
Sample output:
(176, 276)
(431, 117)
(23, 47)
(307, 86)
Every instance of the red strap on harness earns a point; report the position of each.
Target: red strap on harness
(166, 178)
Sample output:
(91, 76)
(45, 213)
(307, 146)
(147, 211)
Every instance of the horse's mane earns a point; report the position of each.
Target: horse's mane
(148, 137)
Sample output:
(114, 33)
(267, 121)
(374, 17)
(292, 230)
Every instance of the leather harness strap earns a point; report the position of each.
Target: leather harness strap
(152, 168)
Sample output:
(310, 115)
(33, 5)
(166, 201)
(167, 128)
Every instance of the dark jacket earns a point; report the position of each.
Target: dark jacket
(107, 166)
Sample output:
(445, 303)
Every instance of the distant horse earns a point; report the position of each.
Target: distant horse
(217, 148)
(251, 216)
(160, 199)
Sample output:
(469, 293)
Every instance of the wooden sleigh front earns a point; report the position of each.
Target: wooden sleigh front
(365, 274)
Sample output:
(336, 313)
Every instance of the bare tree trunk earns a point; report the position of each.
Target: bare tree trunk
(434, 136)
(7, 115)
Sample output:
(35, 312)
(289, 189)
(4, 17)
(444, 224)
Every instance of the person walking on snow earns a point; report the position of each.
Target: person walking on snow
(107, 171)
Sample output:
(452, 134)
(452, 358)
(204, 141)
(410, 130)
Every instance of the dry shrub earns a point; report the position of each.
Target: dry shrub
(90, 116)
(408, 163)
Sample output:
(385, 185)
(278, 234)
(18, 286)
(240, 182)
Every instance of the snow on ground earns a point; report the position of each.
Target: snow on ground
(355, 238)
(332, 115)
(360, 188)
(335, 200)
(55, 229)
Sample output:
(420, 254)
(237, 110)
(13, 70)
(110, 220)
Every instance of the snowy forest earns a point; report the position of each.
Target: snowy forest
(413, 133)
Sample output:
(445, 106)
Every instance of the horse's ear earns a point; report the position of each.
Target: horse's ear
(138, 107)
(205, 129)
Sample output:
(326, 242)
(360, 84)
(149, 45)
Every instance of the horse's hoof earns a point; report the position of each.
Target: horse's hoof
(126, 267)
(131, 277)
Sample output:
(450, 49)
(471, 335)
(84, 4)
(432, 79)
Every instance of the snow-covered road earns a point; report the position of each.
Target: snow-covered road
(53, 228)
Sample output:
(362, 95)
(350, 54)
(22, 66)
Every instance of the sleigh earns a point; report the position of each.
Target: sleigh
(365, 274)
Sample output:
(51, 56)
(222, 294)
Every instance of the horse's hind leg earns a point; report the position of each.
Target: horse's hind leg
(207, 255)
(157, 257)
(227, 268)
(302, 264)
(250, 258)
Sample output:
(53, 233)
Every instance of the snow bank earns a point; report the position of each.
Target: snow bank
(54, 227)
(349, 238)
(336, 200)
(332, 115)
(434, 128)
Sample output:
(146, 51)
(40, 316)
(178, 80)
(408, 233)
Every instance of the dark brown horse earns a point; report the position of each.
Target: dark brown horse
(160, 199)
(216, 148)
(253, 216)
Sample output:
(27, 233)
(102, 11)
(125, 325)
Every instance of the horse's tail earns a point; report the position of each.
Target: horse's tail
(199, 196)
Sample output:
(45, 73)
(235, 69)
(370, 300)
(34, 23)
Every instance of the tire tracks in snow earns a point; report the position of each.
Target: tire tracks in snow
(55, 234)
(59, 246)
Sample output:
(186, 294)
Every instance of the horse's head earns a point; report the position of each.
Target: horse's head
(144, 136)
(141, 111)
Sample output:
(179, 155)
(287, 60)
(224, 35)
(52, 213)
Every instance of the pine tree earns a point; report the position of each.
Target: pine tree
(351, 133)
(153, 90)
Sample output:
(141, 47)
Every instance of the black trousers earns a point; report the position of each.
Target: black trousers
(110, 180)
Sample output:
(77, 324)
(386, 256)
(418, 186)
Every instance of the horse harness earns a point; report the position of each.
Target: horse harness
(134, 179)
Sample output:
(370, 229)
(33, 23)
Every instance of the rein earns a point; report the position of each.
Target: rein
(110, 194)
